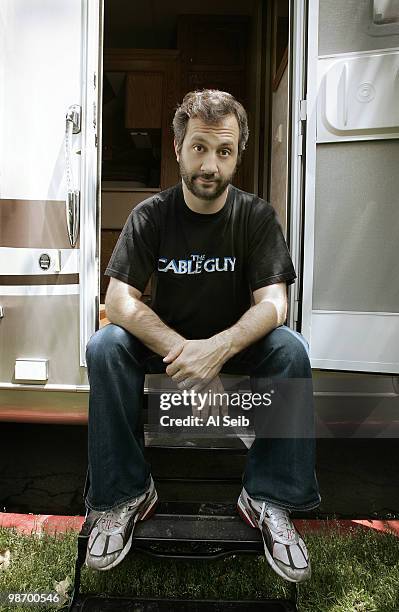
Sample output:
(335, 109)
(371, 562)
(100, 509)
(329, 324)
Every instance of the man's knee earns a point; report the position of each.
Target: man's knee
(288, 349)
(106, 341)
(290, 344)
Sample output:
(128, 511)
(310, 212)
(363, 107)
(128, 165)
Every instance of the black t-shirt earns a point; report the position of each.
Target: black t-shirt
(205, 265)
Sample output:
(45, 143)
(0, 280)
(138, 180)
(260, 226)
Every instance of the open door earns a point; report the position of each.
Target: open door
(50, 65)
(350, 301)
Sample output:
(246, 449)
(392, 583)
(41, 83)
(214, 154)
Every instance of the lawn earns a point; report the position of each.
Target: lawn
(351, 573)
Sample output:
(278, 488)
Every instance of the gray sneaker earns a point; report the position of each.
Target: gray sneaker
(112, 531)
(285, 549)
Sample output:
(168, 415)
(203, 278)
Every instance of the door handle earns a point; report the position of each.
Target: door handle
(72, 203)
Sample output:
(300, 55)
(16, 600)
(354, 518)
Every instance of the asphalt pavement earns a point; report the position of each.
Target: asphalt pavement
(43, 468)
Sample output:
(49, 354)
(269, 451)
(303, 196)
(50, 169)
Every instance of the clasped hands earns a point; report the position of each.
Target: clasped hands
(194, 365)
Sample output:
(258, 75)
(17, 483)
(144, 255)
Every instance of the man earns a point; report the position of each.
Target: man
(211, 248)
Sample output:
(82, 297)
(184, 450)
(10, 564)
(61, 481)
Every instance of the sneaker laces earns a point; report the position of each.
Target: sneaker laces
(117, 516)
(280, 518)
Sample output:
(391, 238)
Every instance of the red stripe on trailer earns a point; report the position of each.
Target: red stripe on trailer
(45, 417)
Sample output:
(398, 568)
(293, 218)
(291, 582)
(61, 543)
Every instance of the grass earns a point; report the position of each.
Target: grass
(357, 573)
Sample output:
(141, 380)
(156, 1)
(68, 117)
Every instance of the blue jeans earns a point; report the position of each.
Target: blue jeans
(278, 469)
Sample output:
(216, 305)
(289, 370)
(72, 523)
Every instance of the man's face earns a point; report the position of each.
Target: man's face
(208, 157)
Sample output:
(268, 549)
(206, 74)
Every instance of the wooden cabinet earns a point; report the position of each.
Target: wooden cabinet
(152, 94)
(144, 100)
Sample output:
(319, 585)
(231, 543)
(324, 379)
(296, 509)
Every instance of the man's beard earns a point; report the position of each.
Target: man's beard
(202, 191)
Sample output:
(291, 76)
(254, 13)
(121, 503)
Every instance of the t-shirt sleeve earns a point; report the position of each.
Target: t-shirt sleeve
(135, 254)
(269, 261)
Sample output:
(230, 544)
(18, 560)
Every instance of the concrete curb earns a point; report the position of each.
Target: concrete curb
(41, 523)
(59, 524)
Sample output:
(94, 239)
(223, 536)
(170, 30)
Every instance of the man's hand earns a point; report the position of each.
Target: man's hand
(211, 401)
(195, 363)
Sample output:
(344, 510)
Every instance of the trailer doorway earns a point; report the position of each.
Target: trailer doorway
(156, 52)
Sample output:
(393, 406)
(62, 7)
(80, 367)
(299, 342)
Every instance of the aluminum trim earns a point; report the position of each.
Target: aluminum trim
(26, 290)
(49, 387)
(296, 93)
(359, 53)
(356, 312)
(310, 184)
(91, 171)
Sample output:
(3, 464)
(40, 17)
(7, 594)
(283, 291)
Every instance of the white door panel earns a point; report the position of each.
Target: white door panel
(372, 336)
(350, 307)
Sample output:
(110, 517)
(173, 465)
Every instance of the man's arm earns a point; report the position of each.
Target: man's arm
(268, 312)
(201, 360)
(124, 308)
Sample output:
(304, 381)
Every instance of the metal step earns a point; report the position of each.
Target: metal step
(212, 533)
(183, 463)
(201, 473)
(196, 536)
(199, 490)
(176, 509)
(186, 439)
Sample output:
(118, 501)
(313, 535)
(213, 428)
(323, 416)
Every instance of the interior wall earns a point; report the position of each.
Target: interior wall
(254, 89)
(279, 150)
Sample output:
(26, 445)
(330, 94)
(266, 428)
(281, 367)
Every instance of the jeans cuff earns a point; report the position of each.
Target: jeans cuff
(296, 507)
(103, 508)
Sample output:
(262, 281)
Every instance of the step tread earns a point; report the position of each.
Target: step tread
(225, 442)
(200, 528)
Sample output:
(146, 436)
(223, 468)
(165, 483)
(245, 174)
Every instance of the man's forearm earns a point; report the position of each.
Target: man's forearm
(138, 319)
(255, 323)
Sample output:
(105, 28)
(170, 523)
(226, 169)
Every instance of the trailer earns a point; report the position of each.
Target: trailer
(89, 88)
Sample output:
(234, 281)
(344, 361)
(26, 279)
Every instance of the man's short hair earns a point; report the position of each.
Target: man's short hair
(210, 105)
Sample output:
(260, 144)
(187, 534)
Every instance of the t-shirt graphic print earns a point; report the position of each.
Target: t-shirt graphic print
(197, 264)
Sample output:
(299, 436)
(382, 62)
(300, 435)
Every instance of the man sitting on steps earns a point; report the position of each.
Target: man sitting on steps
(212, 248)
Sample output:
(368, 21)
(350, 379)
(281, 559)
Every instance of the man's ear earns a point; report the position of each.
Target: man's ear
(176, 150)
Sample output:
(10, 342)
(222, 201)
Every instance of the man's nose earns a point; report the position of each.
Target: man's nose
(209, 164)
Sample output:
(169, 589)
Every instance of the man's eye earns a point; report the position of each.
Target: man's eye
(198, 148)
(225, 152)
